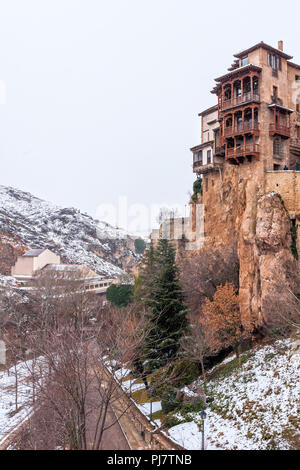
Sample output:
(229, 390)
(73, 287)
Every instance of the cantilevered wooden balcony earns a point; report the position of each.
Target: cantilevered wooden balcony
(202, 169)
(239, 100)
(219, 150)
(283, 130)
(240, 153)
(295, 146)
(242, 128)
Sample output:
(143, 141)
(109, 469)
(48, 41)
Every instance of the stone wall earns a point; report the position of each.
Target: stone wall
(287, 184)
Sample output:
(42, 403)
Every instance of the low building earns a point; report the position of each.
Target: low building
(34, 266)
(32, 261)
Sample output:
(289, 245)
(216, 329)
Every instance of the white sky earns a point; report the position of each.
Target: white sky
(103, 96)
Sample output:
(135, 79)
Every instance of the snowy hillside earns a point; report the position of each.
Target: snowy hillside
(255, 408)
(29, 222)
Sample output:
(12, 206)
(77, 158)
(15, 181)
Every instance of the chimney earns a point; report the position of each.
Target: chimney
(280, 45)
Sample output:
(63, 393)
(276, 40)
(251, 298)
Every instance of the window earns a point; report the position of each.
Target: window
(298, 107)
(274, 61)
(277, 147)
(297, 78)
(208, 157)
(278, 63)
(198, 157)
(206, 184)
(245, 61)
(269, 59)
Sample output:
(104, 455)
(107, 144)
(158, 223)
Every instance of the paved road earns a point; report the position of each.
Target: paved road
(113, 438)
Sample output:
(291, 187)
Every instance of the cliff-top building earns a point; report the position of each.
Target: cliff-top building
(249, 163)
(256, 118)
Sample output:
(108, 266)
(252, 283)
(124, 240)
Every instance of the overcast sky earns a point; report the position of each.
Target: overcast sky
(103, 96)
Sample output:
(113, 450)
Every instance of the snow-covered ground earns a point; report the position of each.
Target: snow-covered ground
(7, 281)
(9, 418)
(256, 407)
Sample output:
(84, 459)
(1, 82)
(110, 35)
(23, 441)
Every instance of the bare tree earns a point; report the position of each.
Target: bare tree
(202, 274)
(197, 345)
(77, 377)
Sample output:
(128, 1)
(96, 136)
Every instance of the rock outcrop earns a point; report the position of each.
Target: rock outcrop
(240, 212)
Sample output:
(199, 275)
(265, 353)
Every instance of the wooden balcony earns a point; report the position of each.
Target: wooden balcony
(239, 153)
(242, 128)
(280, 129)
(201, 169)
(219, 150)
(295, 146)
(239, 100)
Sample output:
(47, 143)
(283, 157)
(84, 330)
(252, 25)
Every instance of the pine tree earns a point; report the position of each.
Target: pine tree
(143, 284)
(163, 297)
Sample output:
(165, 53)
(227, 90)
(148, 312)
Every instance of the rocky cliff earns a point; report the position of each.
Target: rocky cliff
(240, 212)
(28, 222)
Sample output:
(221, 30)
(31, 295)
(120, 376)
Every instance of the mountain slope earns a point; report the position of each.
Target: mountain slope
(29, 222)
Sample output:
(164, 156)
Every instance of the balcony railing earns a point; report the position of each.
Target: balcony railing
(200, 168)
(219, 150)
(237, 100)
(242, 127)
(243, 151)
(295, 145)
(280, 129)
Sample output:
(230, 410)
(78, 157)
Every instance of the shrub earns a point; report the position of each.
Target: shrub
(183, 372)
(170, 421)
(121, 295)
(193, 407)
(169, 402)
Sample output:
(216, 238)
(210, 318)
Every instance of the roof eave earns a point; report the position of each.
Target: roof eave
(263, 45)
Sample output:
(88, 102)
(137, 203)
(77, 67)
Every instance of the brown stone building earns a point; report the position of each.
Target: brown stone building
(249, 163)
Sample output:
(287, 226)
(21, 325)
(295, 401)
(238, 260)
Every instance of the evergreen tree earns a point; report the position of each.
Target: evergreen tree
(164, 300)
(143, 284)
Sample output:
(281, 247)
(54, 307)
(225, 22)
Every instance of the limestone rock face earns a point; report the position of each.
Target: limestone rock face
(267, 266)
(272, 225)
(240, 213)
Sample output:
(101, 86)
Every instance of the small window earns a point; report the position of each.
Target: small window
(198, 157)
(297, 78)
(206, 184)
(245, 61)
(277, 147)
(279, 63)
(208, 157)
(298, 107)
